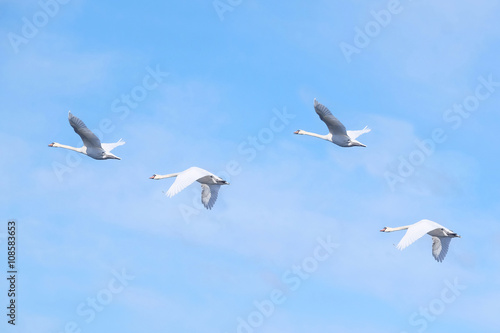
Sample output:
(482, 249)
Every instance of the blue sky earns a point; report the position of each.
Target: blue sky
(102, 249)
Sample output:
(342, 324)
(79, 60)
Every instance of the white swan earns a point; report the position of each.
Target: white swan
(92, 146)
(338, 133)
(441, 236)
(210, 184)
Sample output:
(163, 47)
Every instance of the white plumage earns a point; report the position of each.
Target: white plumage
(92, 146)
(338, 133)
(441, 236)
(210, 184)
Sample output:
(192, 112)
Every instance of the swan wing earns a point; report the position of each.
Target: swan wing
(186, 178)
(209, 194)
(108, 147)
(416, 231)
(354, 134)
(334, 125)
(89, 139)
(440, 247)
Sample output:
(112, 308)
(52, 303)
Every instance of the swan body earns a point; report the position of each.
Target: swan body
(441, 236)
(210, 184)
(92, 146)
(337, 131)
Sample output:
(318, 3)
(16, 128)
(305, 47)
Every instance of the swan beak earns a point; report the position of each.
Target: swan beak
(51, 145)
(296, 132)
(383, 230)
(152, 177)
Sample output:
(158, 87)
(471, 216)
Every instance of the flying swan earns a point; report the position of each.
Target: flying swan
(210, 184)
(92, 146)
(338, 133)
(441, 236)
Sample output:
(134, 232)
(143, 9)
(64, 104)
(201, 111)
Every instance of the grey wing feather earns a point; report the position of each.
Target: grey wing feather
(209, 195)
(440, 247)
(89, 139)
(334, 125)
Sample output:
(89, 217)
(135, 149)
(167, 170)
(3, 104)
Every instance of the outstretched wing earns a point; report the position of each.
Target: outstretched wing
(415, 231)
(186, 178)
(354, 134)
(89, 139)
(440, 247)
(108, 147)
(334, 125)
(209, 195)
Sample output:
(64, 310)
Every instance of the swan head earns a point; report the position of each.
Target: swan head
(153, 176)
(53, 144)
(385, 229)
(298, 132)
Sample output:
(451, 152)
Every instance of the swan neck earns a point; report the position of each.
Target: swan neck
(398, 228)
(170, 175)
(58, 145)
(324, 137)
